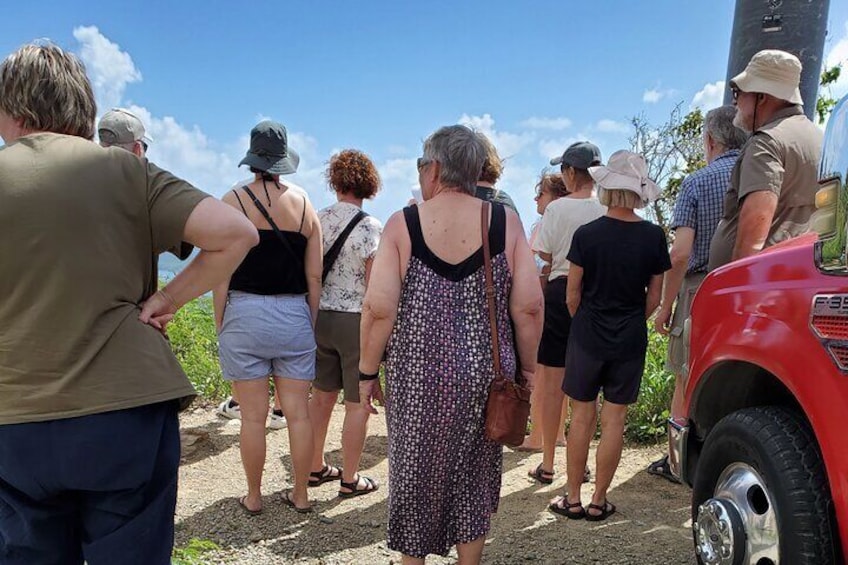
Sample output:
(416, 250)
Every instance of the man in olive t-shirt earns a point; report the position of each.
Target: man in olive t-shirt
(89, 434)
(773, 184)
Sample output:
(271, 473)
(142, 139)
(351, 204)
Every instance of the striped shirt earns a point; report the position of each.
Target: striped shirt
(700, 205)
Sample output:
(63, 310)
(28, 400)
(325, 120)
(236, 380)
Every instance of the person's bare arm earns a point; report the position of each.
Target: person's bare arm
(219, 302)
(755, 217)
(525, 301)
(654, 293)
(224, 236)
(313, 261)
(369, 264)
(681, 250)
(379, 308)
(574, 288)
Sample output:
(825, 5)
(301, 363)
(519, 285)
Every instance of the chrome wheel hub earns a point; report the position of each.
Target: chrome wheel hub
(738, 526)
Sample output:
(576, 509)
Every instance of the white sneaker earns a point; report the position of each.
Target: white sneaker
(226, 410)
(277, 421)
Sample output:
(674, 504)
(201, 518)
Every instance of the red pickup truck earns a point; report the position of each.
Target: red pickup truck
(764, 442)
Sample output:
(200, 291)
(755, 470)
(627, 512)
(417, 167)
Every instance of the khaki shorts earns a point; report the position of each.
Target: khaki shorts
(678, 348)
(337, 338)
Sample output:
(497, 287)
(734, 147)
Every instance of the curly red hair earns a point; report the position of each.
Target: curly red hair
(351, 171)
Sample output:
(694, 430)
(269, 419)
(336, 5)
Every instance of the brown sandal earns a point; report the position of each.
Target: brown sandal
(539, 474)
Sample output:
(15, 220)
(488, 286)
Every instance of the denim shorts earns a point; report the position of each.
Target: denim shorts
(267, 335)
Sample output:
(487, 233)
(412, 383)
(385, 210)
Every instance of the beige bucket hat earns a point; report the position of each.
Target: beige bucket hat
(773, 72)
(626, 170)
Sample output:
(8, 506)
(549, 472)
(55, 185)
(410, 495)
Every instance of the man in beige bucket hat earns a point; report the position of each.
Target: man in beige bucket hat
(772, 187)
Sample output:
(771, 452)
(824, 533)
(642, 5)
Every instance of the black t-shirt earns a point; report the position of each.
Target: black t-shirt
(618, 259)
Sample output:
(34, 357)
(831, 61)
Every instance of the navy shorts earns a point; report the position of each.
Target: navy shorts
(557, 327)
(99, 488)
(586, 376)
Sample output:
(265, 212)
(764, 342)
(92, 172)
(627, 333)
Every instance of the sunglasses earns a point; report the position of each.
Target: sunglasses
(144, 146)
(423, 162)
(735, 92)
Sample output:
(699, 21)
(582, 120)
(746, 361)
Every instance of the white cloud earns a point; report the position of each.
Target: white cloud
(654, 95)
(507, 144)
(546, 123)
(612, 126)
(109, 68)
(709, 97)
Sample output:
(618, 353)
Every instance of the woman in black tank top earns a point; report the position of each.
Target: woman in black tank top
(266, 313)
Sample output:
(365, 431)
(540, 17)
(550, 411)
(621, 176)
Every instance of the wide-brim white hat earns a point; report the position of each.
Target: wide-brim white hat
(773, 72)
(626, 170)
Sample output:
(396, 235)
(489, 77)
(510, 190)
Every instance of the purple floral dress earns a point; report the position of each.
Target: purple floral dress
(444, 476)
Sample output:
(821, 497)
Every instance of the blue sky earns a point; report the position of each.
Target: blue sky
(380, 76)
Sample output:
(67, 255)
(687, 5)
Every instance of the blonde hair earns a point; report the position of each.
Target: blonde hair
(618, 198)
(47, 89)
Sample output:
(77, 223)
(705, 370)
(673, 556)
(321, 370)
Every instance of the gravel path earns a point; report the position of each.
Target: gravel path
(651, 526)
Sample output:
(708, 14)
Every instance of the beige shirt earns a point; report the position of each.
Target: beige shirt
(783, 157)
(81, 225)
(561, 219)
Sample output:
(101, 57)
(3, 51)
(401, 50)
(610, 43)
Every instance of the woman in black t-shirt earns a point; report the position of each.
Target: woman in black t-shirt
(614, 284)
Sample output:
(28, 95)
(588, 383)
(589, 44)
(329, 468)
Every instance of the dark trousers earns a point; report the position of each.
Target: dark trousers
(100, 488)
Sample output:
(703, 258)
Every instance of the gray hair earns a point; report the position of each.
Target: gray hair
(461, 154)
(719, 125)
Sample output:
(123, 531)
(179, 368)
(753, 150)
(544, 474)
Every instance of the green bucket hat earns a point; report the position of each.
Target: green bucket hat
(269, 150)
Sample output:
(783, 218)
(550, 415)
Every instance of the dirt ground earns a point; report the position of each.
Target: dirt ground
(652, 525)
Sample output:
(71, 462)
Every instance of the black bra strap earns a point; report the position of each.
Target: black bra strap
(239, 201)
(303, 214)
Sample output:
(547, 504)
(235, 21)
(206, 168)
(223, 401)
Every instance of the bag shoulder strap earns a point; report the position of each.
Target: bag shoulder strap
(490, 296)
(274, 227)
(335, 250)
(490, 288)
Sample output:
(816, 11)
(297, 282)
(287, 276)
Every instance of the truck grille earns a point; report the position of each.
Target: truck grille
(831, 327)
(840, 355)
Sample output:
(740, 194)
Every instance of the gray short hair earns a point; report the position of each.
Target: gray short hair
(47, 89)
(461, 154)
(719, 125)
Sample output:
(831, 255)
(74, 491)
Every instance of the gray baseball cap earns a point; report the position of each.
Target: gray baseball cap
(121, 126)
(580, 155)
(269, 150)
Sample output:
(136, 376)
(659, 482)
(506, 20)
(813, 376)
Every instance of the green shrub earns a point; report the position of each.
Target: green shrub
(646, 420)
(195, 343)
(193, 552)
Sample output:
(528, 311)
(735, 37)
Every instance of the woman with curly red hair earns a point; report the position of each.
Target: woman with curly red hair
(350, 243)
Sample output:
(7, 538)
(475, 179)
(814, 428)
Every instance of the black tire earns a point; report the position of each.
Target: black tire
(782, 449)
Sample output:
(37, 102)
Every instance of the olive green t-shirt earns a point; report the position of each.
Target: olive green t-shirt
(782, 157)
(81, 225)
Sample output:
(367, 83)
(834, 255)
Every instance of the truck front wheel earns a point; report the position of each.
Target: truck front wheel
(761, 496)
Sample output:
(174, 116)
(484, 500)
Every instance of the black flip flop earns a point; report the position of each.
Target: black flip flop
(290, 503)
(247, 510)
(607, 510)
(661, 468)
(566, 510)
(327, 474)
(371, 486)
(539, 474)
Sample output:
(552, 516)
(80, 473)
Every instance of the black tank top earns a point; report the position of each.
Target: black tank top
(269, 268)
(456, 272)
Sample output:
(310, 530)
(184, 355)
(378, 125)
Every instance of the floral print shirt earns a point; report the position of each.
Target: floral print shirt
(344, 288)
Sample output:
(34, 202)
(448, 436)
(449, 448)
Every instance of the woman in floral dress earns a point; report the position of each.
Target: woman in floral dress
(426, 308)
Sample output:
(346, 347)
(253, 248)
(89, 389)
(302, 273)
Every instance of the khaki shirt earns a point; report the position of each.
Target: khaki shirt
(80, 226)
(783, 157)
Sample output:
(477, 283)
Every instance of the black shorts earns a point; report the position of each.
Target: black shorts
(586, 376)
(557, 325)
